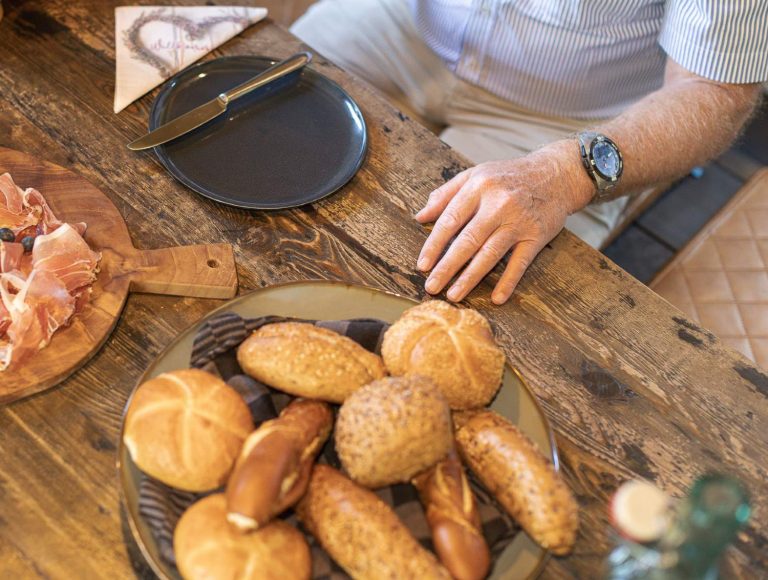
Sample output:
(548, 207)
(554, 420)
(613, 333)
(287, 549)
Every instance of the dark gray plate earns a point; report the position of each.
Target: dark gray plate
(293, 142)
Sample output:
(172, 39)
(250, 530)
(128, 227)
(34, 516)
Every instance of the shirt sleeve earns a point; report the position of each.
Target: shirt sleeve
(722, 40)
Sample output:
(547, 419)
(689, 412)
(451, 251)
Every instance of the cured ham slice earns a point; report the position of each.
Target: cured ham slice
(12, 196)
(13, 213)
(5, 321)
(39, 291)
(21, 209)
(10, 256)
(65, 254)
(35, 201)
(37, 306)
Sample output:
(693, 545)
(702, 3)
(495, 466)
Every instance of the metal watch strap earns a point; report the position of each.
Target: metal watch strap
(586, 137)
(602, 187)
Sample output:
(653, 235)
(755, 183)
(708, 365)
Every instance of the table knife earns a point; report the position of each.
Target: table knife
(215, 107)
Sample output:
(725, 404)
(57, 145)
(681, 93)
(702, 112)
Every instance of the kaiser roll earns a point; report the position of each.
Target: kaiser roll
(392, 429)
(452, 346)
(206, 546)
(186, 428)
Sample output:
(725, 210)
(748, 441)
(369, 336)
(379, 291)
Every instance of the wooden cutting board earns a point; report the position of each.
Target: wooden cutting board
(206, 271)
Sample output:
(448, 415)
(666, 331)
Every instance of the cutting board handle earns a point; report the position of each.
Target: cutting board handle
(201, 271)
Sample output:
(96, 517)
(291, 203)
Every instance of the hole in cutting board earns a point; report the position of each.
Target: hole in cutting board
(213, 263)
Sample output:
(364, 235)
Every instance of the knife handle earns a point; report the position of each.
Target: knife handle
(274, 72)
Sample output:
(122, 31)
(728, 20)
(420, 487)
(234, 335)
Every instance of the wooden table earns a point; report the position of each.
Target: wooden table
(631, 386)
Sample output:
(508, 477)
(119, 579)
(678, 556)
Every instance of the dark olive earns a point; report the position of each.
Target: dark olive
(7, 235)
(28, 242)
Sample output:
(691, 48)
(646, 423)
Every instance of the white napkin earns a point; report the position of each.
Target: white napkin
(154, 42)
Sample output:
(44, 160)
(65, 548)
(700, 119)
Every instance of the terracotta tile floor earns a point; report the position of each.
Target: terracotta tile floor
(682, 211)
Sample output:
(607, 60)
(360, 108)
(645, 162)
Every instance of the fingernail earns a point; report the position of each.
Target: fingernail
(454, 294)
(423, 263)
(498, 298)
(431, 286)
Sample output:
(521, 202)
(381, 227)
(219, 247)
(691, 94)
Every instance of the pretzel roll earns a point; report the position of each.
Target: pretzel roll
(308, 361)
(273, 469)
(524, 482)
(453, 518)
(361, 532)
(207, 547)
(186, 428)
(392, 429)
(454, 347)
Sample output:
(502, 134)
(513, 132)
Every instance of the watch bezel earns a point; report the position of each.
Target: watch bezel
(603, 139)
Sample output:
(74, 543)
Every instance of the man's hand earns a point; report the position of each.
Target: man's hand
(497, 206)
(522, 204)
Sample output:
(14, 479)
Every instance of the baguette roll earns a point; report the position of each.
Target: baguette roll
(361, 532)
(452, 515)
(513, 469)
(275, 462)
(307, 361)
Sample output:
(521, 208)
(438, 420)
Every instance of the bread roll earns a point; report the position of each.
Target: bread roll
(207, 547)
(308, 361)
(361, 532)
(275, 462)
(186, 428)
(392, 429)
(523, 481)
(452, 346)
(452, 515)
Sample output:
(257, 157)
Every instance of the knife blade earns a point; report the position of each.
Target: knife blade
(201, 115)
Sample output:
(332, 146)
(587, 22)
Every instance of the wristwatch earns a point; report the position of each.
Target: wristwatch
(602, 160)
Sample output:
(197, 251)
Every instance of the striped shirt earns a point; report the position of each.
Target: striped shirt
(593, 58)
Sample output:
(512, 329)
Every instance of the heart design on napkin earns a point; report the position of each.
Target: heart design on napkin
(155, 42)
(194, 30)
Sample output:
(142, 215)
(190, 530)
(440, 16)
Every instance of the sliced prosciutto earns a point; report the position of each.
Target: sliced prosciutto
(5, 321)
(13, 213)
(40, 290)
(37, 307)
(10, 256)
(35, 201)
(65, 254)
(21, 209)
(12, 196)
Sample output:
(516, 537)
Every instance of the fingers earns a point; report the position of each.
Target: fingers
(457, 213)
(494, 249)
(466, 245)
(441, 197)
(522, 257)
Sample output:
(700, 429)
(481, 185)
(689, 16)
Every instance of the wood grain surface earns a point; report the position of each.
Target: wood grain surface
(202, 270)
(632, 388)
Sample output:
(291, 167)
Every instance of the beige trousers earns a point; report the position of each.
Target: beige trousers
(377, 40)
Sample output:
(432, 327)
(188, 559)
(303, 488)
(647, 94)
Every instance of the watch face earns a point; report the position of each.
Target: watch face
(606, 158)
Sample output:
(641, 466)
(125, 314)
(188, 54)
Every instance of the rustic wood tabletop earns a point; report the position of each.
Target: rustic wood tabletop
(632, 388)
